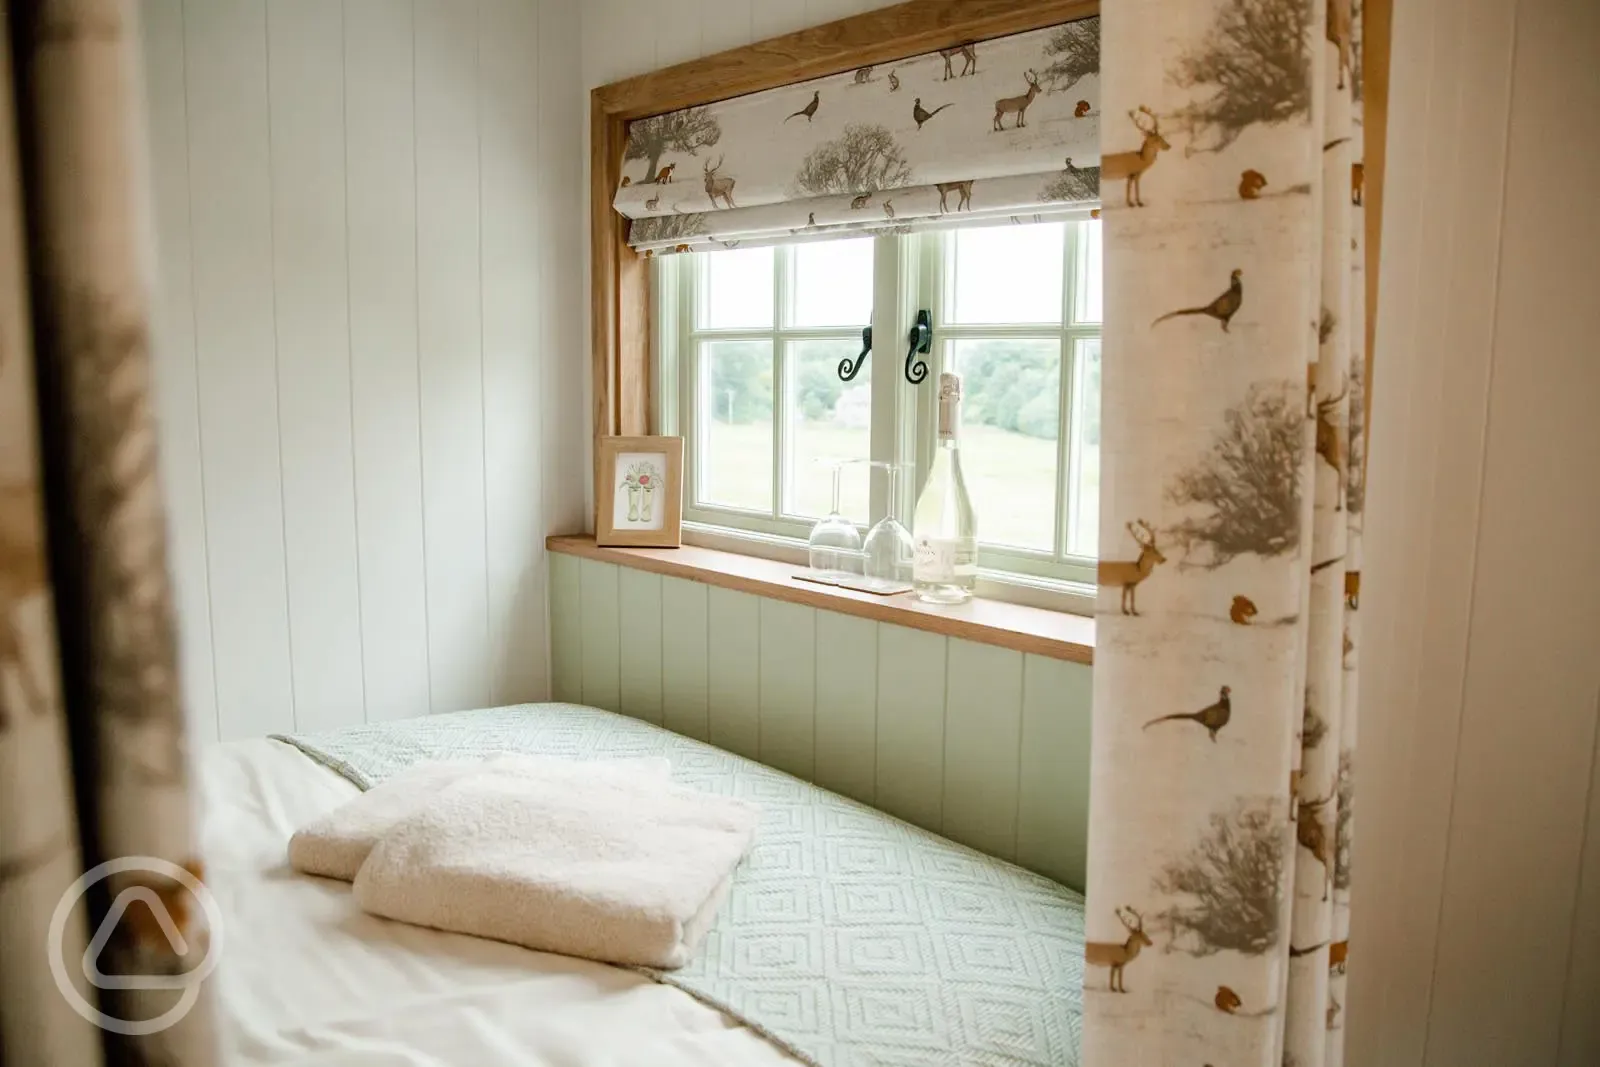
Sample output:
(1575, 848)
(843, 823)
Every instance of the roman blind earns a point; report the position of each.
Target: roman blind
(984, 132)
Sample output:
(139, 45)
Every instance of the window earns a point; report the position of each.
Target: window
(754, 339)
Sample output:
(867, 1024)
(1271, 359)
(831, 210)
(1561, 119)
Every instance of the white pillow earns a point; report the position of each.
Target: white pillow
(336, 844)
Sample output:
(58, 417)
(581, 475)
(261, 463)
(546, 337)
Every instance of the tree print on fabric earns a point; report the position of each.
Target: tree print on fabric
(1247, 486)
(1254, 66)
(1229, 885)
(1073, 183)
(1312, 835)
(1356, 86)
(112, 466)
(864, 159)
(1074, 52)
(668, 227)
(1314, 728)
(1342, 825)
(23, 577)
(1355, 488)
(679, 131)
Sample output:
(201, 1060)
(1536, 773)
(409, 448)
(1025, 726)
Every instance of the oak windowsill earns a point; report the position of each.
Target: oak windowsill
(1055, 634)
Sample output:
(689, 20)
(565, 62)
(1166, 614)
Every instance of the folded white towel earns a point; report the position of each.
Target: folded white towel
(616, 869)
(336, 845)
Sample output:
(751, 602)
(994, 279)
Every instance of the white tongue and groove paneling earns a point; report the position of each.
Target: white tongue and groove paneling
(519, 202)
(305, 68)
(176, 368)
(230, 197)
(367, 361)
(450, 350)
(1477, 855)
(380, 88)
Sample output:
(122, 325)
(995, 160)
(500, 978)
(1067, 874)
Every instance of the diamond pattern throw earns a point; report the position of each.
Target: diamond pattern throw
(850, 938)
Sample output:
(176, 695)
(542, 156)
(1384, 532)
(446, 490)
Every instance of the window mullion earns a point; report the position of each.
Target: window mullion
(780, 376)
(893, 260)
(933, 261)
(691, 280)
(1064, 437)
(1066, 452)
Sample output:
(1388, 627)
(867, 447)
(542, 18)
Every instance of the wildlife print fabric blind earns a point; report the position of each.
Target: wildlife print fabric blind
(92, 757)
(980, 133)
(1231, 504)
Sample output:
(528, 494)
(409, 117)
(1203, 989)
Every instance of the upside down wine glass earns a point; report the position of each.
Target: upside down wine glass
(834, 547)
(889, 551)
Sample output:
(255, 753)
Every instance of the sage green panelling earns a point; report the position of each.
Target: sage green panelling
(911, 679)
(733, 656)
(983, 744)
(982, 733)
(602, 648)
(846, 671)
(639, 607)
(566, 623)
(788, 686)
(1053, 816)
(684, 661)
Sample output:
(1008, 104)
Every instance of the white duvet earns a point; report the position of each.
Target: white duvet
(306, 978)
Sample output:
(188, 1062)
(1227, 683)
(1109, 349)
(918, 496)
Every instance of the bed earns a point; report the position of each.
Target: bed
(851, 939)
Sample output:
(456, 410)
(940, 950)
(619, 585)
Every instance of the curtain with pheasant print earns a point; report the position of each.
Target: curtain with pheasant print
(987, 132)
(1231, 504)
(95, 809)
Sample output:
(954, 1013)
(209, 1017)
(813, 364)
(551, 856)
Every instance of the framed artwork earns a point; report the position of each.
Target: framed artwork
(645, 505)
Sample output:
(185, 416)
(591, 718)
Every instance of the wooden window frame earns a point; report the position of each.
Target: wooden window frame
(620, 296)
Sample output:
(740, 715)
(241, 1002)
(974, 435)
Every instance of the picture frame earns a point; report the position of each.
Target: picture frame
(644, 507)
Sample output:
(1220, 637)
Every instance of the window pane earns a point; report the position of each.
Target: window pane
(735, 420)
(1011, 403)
(1090, 289)
(833, 283)
(738, 290)
(829, 420)
(1083, 522)
(1008, 273)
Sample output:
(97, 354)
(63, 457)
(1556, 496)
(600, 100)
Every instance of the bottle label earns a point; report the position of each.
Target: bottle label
(941, 560)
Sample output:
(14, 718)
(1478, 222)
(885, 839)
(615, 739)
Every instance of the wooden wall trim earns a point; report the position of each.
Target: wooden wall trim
(603, 283)
(874, 37)
(1377, 20)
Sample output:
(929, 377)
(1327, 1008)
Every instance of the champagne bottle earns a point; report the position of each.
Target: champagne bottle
(944, 526)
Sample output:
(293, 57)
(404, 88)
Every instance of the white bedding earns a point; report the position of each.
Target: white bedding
(306, 978)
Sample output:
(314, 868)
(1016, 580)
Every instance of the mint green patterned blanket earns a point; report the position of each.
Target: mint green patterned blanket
(850, 938)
